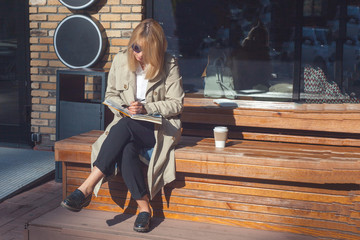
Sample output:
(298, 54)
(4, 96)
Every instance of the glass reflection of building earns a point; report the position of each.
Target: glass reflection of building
(318, 37)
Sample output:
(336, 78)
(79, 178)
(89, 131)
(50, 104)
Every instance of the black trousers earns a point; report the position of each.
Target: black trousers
(122, 146)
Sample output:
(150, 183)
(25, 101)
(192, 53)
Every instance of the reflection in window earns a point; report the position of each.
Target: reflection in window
(9, 84)
(313, 7)
(331, 61)
(252, 38)
(258, 44)
(351, 52)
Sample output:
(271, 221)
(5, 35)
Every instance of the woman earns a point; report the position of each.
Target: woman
(146, 80)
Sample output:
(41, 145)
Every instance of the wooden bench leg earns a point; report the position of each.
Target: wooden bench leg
(64, 179)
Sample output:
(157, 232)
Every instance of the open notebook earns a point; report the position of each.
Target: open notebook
(154, 118)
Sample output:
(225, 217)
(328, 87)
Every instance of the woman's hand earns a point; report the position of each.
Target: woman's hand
(136, 108)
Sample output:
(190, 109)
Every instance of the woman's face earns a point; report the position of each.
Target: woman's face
(138, 53)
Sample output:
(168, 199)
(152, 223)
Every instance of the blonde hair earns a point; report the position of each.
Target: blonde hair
(150, 35)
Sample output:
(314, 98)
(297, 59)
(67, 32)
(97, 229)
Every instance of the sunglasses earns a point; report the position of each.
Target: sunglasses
(136, 48)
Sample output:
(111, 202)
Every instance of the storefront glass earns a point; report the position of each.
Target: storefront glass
(276, 50)
(14, 72)
(330, 51)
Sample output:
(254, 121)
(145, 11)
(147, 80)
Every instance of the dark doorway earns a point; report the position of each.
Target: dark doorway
(14, 73)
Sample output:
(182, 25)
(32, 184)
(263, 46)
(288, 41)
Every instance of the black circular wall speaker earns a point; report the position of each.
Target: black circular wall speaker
(77, 4)
(79, 41)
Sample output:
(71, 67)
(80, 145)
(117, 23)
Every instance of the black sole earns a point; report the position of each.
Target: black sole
(142, 230)
(70, 208)
(85, 204)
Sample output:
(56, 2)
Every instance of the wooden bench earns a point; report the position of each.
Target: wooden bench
(287, 167)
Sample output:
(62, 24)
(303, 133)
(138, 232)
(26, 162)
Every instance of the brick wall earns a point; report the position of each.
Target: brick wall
(118, 17)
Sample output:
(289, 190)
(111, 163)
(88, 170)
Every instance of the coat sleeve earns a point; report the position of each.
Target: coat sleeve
(172, 105)
(111, 92)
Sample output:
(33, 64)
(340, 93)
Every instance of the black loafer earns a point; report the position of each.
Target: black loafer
(76, 201)
(142, 222)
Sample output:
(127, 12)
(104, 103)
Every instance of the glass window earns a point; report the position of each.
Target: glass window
(351, 51)
(277, 50)
(9, 89)
(320, 32)
(14, 72)
(330, 52)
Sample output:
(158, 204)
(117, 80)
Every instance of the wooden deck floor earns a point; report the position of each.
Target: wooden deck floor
(93, 224)
(15, 212)
(40, 208)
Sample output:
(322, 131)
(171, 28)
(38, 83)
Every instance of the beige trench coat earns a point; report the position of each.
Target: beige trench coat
(164, 95)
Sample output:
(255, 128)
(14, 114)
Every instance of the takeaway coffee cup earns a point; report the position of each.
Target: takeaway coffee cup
(220, 135)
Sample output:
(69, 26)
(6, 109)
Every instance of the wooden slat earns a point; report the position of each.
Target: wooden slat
(256, 213)
(228, 209)
(321, 233)
(266, 172)
(297, 123)
(291, 158)
(302, 166)
(281, 137)
(277, 161)
(68, 155)
(309, 219)
(321, 117)
(64, 179)
(283, 193)
(272, 106)
(80, 174)
(192, 141)
(329, 190)
(306, 209)
(322, 173)
(273, 191)
(229, 204)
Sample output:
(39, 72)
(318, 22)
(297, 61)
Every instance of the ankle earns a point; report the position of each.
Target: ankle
(144, 204)
(85, 191)
(144, 209)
